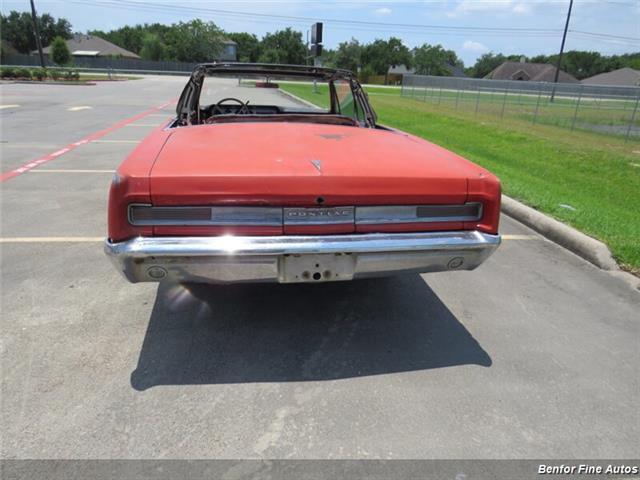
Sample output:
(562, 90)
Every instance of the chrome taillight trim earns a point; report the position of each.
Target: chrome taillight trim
(216, 216)
(395, 214)
(148, 215)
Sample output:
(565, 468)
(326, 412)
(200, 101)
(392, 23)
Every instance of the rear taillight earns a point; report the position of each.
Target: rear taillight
(143, 215)
(416, 214)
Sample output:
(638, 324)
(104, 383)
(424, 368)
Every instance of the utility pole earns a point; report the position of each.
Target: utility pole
(36, 31)
(564, 37)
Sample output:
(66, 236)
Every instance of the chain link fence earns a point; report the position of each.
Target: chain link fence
(608, 110)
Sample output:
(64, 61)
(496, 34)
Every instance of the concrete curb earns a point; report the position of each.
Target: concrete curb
(297, 98)
(592, 250)
(79, 83)
(583, 245)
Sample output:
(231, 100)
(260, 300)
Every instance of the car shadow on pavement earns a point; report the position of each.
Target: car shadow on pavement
(208, 334)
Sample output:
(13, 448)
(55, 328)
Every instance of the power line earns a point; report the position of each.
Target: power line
(290, 18)
(351, 25)
(605, 35)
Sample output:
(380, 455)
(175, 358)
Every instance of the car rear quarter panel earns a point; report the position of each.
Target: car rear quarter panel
(131, 185)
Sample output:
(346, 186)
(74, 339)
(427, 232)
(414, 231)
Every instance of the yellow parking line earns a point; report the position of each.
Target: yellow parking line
(2, 107)
(51, 239)
(47, 170)
(519, 237)
(78, 108)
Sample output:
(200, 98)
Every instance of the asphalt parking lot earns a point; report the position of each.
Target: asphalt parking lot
(533, 355)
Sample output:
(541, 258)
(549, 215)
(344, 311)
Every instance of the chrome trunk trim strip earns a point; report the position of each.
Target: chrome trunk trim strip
(148, 215)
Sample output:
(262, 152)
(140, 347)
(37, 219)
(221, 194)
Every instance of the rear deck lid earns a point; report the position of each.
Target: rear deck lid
(303, 165)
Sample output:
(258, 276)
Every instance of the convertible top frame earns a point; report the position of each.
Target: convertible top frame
(188, 107)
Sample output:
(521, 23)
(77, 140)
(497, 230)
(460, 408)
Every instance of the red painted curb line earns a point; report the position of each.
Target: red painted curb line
(72, 146)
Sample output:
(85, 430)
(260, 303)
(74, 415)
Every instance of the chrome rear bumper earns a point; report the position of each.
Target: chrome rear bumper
(295, 258)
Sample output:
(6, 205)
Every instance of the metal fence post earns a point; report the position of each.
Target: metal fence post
(478, 99)
(504, 100)
(633, 118)
(535, 115)
(457, 97)
(424, 95)
(575, 113)
(402, 86)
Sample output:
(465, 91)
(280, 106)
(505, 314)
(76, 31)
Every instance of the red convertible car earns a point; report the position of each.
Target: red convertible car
(253, 184)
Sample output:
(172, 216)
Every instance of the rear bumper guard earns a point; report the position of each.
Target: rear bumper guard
(297, 258)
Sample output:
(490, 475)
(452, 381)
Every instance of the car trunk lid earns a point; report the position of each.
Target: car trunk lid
(303, 165)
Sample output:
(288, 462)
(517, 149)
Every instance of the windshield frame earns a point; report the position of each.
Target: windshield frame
(188, 107)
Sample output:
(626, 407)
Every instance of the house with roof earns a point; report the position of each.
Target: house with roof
(529, 72)
(455, 70)
(400, 69)
(82, 45)
(622, 77)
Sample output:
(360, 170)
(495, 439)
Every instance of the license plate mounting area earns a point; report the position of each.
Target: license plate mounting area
(295, 268)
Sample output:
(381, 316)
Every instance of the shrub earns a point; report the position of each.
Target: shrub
(71, 75)
(60, 53)
(40, 73)
(8, 72)
(56, 74)
(23, 73)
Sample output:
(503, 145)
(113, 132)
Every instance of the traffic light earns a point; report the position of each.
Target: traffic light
(315, 49)
(316, 33)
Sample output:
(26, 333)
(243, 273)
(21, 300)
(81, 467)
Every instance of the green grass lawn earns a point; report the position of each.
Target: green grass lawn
(544, 167)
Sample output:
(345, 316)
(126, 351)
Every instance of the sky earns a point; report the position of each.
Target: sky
(469, 27)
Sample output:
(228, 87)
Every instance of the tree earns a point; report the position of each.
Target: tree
(132, 37)
(381, 54)
(283, 46)
(194, 41)
(129, 38)
(16, 29)
(51, 28)
(328, 58)
(152, 47)
(347, 55)
(6, 49)
(488, 62)
(631, 60)
(248, 46)
(581, 64)
(60, 53)
(434, 60)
